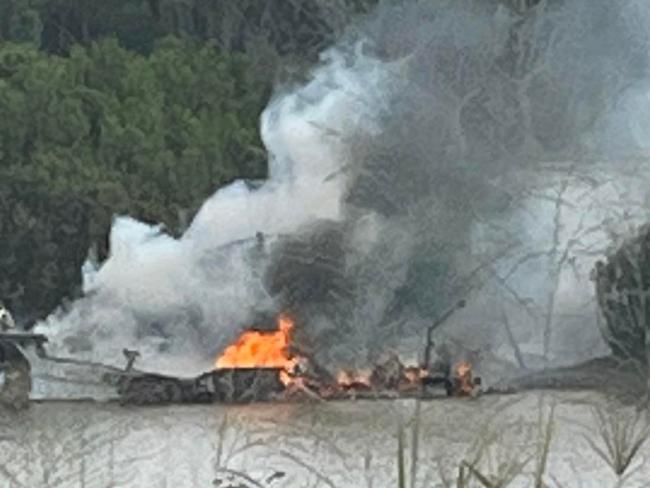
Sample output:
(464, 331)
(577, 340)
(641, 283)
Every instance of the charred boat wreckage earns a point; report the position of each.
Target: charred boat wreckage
(267, 366)
(259, 366)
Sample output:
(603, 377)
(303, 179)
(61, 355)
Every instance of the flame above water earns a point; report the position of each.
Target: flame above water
(258, 349)
(464, 377)
(352, 378)
(272, 349)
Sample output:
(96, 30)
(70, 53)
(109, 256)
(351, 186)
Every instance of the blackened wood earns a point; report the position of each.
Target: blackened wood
(225, 385)
(240, 385)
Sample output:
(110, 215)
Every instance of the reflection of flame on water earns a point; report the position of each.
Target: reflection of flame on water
(259, 349)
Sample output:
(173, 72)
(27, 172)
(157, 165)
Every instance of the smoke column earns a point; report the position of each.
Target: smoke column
(421, 164)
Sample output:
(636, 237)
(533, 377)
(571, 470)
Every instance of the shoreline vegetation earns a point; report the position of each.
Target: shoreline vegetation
(136, 108)
(140, 108)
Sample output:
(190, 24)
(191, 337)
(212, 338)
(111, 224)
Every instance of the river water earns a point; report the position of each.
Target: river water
(337, 444)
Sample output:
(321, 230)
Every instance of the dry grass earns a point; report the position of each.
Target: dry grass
(502, 466)
(494, 462)
(488, 463)
(620, 435)
(414, 424)
(507, 445)
(499, 459)
(546, 429)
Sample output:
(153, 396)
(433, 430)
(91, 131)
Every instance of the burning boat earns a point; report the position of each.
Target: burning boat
(264, 366)
(260, 365)
(231, 385)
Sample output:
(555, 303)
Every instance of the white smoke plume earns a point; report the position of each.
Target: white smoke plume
(418, 166)
(181, 301)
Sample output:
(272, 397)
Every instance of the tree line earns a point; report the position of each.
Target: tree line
(296, 27)
(132, 107)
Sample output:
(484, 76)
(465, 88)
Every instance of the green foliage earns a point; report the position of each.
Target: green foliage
(294, 28)
(20, 20)
(44, 242)
(111, 131)
(142, 107)
(622, 285)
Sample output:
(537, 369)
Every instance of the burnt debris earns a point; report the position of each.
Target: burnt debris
(389, 379)
(241, 385)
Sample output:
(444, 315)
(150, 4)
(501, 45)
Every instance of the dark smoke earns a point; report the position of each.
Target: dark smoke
(423, 133)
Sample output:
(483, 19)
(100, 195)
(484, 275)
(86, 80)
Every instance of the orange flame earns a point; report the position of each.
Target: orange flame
(256, 349)
(464, 378)
(415, 374)
(351, 378)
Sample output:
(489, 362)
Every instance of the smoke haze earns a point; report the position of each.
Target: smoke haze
(442, 150)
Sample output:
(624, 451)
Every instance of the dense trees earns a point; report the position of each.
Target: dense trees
(142, 107)
(622, 286)
(106, 130)
(300, 28)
